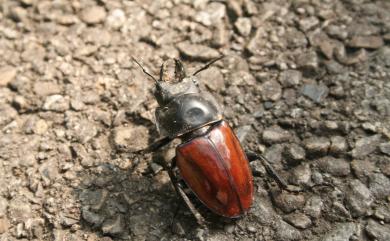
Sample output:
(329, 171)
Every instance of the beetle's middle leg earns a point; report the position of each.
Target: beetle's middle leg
(252, 156)
(179, 190)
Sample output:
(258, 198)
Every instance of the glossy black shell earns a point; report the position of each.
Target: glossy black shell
(187, 112)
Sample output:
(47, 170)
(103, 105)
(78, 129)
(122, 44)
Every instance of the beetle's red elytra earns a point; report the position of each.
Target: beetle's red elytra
(216, 169)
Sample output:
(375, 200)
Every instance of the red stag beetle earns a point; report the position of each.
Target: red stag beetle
(210, 160)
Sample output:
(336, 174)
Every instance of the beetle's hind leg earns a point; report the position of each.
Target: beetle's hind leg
(179, 190)
(252, 156)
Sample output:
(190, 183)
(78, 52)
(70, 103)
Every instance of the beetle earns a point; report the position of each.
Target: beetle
(210, 159)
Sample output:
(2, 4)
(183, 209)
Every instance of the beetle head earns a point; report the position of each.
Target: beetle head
(173, 81)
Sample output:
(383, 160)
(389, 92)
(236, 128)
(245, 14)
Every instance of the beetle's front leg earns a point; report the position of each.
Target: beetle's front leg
(252, 156)
(155, 145)
(200, 220)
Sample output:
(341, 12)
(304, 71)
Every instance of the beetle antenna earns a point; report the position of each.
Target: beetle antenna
(206, 66)
(145, 72)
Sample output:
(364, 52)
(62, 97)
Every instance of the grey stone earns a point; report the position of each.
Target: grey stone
(130, 138)
(56, 103)
(91, 217)
(197, 52)
(327, 47)
(385, 148)
(241, 78)
(35, 125)
(362, 168)
(49, 172)
(334, 166)
(274, 154)
(116, 18)
(251, 229)
(289, 202)
(242, 132)
(296, 38)
(155, 168)
(7, 114)
(275, 134)
(337, 32)
(229, 228)
(46, 88)
(114, 226)
(257, 42)
(379, 185)
(286, 232)
(212, 78)
(93, 15)
(263, 211)
(369, 42)
(383, 213)
(317, 145)
(378, 231)
(366, 146)
(316, 93)
(243, 26)
(341, 232)
(358, 198)
(94, 199)
(295, 153)
(271, 90)
(308, 61)
(298, 220)
(338, 144)
(317, 177)
(213, 14)
(82, 130)
(258, 169)
(7, 74)
(290, 78)
(308, 23)
(19, 210)
(301, 175)
(313, 206)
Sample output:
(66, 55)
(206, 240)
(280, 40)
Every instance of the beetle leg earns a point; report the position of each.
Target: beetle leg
(182, 194)
(252, 156)
(155, 146)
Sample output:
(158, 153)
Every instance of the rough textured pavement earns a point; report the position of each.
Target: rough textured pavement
(305, 82)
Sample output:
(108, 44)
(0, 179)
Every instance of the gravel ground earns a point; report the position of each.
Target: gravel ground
(306, 82)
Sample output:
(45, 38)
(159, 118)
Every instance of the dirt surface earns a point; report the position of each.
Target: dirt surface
(305, 82)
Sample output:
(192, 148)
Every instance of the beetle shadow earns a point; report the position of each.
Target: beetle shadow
(134, 203)
(125, 205)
